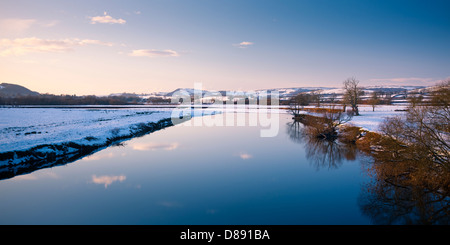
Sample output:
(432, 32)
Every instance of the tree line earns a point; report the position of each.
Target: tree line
(50, 99)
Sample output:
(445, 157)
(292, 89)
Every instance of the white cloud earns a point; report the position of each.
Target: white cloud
(22, 46)
(153, 53)
(243, 44)
(107, 179)
(95, 42)
(106, 19)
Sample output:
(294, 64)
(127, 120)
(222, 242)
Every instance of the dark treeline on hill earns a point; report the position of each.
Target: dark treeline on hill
(50, 99)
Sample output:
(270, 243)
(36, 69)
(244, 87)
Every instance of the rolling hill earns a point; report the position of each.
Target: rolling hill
(14, 90)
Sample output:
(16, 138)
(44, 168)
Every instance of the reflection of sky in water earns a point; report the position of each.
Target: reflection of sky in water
(107, 179)
(191, 175)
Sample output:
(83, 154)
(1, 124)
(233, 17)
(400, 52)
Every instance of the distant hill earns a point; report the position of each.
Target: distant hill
(389, 93)
(14, 90)
(289, 92)
(11, 93)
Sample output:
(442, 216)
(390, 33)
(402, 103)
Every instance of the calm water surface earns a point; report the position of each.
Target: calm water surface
(196, 175)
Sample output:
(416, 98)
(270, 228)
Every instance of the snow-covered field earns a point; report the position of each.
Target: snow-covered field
(370, 120)
(24, 128)
(33, 138)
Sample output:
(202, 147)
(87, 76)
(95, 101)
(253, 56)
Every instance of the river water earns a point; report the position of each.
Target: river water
(198, 175)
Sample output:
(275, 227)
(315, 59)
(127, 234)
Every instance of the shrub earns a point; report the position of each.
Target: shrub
(349, 133)
(369, 142)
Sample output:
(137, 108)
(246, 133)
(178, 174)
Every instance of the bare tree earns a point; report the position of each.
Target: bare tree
(352, 93)
(317, 96)
(325, 126)
(332, 98)
(335, 117)
(298, 103)
(416, 147)
(374, 100)
(344, 102)
(415, 99)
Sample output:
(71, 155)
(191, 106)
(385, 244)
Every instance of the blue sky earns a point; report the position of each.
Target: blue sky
(102, 47)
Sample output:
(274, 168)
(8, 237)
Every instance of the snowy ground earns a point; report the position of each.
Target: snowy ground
(370, 120)
(34, 138)
(24, 128)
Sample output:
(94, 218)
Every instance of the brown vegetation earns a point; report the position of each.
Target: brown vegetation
(349, 133)
(326, 124)
(410, 158)
(411, 163)
(323, 110)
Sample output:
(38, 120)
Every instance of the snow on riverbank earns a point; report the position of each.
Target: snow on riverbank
(34, 138)
(24, 128)
(370, 120)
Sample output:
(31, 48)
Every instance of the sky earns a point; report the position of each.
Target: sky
(100, 47)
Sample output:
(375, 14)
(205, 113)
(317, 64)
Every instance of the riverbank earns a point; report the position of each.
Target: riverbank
(42, 137)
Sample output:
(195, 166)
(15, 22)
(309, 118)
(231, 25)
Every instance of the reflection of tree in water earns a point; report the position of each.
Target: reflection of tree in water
(390, 201)
(408, 186)
(321, 152)
(328, 153)
(296, 132)
(411, 165)
(392, 196)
